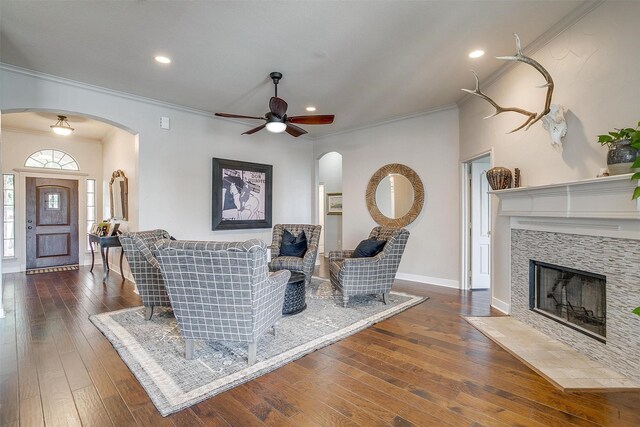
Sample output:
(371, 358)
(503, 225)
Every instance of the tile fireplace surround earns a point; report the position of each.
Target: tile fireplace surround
(590, 225)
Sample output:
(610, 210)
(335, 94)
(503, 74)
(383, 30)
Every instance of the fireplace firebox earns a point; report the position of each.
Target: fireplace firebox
(572, 297)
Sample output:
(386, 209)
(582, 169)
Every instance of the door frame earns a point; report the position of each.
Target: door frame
(21, 207)
(321, 194)
(465, 220)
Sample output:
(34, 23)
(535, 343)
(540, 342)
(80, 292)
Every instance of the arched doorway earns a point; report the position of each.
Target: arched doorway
(329, 191)
(86, 158)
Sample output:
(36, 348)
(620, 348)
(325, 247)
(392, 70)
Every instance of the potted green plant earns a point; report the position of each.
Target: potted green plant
(624, 146)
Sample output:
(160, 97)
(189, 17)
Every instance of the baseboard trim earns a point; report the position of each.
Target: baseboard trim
(447, 283)
(501, 305)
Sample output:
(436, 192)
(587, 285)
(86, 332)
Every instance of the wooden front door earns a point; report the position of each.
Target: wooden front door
(52, 222)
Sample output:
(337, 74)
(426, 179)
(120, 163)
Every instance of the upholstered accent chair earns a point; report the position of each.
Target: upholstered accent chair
(307, 263)
(222, 291)
(138, 247)
(373, 275)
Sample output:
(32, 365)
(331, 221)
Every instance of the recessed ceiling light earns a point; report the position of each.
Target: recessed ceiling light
(311, 108)
(476, 53)
(163, 59)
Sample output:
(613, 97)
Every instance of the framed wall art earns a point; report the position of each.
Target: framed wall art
(334, 203)
(241, 195)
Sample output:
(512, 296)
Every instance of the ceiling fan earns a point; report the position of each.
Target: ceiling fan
(277, 120)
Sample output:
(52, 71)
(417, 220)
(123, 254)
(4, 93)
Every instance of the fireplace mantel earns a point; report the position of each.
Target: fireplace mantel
(603, 198)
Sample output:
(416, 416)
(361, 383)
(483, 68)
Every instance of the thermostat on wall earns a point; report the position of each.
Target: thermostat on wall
(164, 122)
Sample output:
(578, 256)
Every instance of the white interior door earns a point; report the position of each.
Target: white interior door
(480, 223)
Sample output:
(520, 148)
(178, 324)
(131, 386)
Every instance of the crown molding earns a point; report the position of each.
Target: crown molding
(100, 89)
(538, 44)
(120, 94)
(389, 121)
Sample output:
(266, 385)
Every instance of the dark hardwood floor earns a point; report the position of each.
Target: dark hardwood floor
(423, 367)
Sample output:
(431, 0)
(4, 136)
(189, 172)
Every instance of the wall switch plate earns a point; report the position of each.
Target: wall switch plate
(164, 123)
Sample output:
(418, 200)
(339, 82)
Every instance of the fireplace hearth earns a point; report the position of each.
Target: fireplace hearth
(571, 297)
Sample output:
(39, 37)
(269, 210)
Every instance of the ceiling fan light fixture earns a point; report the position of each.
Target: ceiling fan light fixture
(62, 127)
(476, 53)
(276, 127)
(277, 120)
(311, 108)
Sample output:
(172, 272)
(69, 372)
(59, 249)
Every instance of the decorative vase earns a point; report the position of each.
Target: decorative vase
(620, 157)
(499, 178)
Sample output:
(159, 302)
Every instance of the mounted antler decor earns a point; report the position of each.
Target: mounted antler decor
(532, 117)
(556, 124)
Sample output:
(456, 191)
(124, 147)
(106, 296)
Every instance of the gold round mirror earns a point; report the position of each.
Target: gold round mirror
(395, 195)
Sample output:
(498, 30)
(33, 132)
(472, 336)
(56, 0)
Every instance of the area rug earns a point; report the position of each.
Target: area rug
(52, 269)
(154, 350)
(558, 363)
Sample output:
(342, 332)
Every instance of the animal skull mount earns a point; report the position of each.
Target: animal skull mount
(555, 123)
(532, 117)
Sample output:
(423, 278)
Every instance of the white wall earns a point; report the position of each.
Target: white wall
(330, 173)
(17, 146)
(595, 65)
(120, 152)
(429, 145)
(174, 169)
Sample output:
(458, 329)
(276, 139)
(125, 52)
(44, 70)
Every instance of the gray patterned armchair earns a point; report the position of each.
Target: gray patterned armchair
(366, 276)
(138, 247)
(222, 291)
(305, 264)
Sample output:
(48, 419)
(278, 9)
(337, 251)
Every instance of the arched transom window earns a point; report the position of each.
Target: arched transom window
(52, 159)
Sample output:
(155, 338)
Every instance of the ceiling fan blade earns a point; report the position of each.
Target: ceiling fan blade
(254, 130)
(312, 120)
(278, 106)
(295, 130)
(237, 116)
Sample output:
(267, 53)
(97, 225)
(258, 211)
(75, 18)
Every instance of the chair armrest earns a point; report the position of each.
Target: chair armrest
(370, 261)
(312, 252)
(279, 278)
(275, 250)
(146, 252)
(339, 255)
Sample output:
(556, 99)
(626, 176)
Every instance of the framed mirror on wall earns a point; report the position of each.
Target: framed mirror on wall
(119, 195)
(395, 195)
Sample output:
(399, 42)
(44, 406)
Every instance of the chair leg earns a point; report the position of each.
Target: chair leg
(188, 347)
(148, 312)
(253, 348)
(385, 297)
(345, 301)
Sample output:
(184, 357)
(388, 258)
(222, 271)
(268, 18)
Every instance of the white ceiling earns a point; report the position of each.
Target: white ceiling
(84, 127)
(365, 61)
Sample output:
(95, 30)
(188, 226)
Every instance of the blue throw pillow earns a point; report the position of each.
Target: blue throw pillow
(292, 245)
(368, 248)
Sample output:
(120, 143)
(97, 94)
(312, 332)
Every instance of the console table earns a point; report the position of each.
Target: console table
(105, 243)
